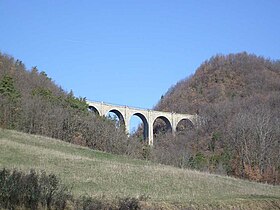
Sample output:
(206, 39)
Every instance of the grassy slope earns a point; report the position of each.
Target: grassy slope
(97, 174)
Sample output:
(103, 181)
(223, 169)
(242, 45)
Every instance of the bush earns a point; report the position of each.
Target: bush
(129, 204)
(88, 203)
(32, 190)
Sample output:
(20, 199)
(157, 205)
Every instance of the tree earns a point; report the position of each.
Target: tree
(9, 108)
(7, 88)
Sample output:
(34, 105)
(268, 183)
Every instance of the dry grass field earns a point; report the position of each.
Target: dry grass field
(100, 174)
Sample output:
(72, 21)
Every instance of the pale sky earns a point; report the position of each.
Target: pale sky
(129, 52)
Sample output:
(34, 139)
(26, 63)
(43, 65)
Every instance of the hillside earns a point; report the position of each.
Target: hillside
(32, 102)
(102, 174)
(237, 97)
(220, 79)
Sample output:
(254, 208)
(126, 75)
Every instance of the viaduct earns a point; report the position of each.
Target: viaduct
(147, 116)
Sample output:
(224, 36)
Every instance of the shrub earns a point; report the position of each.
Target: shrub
(39, 190)
(32, 190)
(88, 203)
(129, 204)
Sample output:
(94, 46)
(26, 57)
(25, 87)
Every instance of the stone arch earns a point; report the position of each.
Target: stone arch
(166, 121)
(124, 114)
(184, 125)
(94, 110)
(119, 115)
(145, 124)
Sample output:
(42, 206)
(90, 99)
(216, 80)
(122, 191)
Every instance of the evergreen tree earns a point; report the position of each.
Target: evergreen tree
(75, 103)
(9, 108)
(7, 88)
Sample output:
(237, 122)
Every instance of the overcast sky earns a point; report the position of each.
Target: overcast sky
(130, 52)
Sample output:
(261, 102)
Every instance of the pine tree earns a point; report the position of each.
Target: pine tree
(9, 107)
(7, 88)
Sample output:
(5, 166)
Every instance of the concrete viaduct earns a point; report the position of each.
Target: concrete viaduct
(147, 116)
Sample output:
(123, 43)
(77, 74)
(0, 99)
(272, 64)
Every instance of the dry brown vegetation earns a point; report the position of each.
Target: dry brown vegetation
(237, 97)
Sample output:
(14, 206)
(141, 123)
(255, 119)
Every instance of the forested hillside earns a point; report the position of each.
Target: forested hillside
(31, 102)
(223, 78)
(237, 98)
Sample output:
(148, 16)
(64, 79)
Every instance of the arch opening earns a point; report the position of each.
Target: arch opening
(93, 110)
(161, 125)
(184, 125)
(139, 126)
(117, 117)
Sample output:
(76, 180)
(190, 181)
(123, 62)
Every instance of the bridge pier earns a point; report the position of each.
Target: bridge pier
(127, 119)
(148, 117)
(151, 132)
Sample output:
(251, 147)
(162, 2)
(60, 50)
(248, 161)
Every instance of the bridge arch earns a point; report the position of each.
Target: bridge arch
(167, 127)
(148, 117)
(145, 124)
(184, 124)
(94, 110)
(119, 115)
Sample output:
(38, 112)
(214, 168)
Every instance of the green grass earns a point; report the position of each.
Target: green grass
(99, 174)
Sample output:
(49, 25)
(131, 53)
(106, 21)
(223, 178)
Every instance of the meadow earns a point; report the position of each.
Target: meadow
(103, 175)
